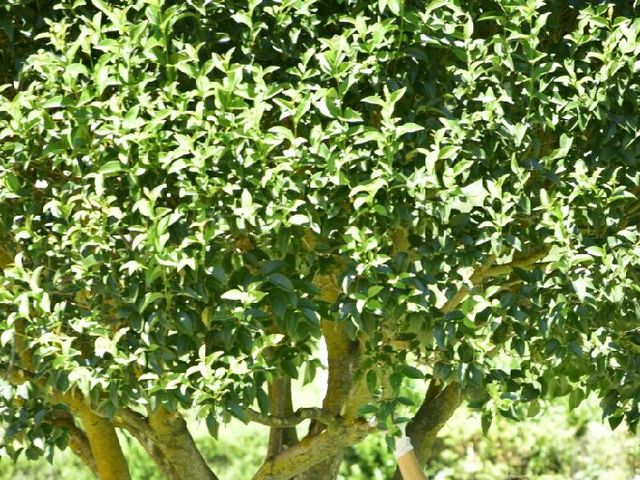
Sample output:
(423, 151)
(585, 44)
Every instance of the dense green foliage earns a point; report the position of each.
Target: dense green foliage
(190, 188)
(20, 23)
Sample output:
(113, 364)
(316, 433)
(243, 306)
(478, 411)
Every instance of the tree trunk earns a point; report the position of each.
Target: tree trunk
(280, 405)
(78, 441)
(173, 439)
(325, 470)
(138, 427)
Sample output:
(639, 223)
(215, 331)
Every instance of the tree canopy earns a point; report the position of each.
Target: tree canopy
(193, 194)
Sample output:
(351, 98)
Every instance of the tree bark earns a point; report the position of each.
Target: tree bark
(138, 426)
(438, 406)
(105, 446)
(311, 450)
(78, 441)
(173, 439)
(280, 405)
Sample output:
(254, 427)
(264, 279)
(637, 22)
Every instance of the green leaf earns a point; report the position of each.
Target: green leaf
(609, 403)
(281, 281)
(12, 183)
(529, 393)
(312, 316)
(580, 287)
(263, 401)
(212, 425)
(289, 368)
(234, 294)
(475, 193)
(412, 372)
(575, 398)
(6, 337)
(615, 421)
(372, 381)
(24, 306)
(395, 6)
(408, 128)
(144, 207)
(486, 419)
(298, 219)
(442, 371)
(534, 408)
(110, 168)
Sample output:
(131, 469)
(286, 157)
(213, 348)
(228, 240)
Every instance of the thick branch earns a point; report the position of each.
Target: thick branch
(176, 444)
(126, 419)
(139, 428)
(181, 463)
(345, 393)
(105, 446)
(98, 446)
(313, 450)
(343, 397)
(78, 441)
(298, 416)
(342, 354)
(437, 408)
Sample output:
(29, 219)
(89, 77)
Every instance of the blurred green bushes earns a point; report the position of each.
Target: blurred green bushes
(555, 445)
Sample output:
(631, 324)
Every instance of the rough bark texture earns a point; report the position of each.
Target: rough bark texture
(176, 444)
(312, 450)
(6, 258)
(79, 444)
(438, 406)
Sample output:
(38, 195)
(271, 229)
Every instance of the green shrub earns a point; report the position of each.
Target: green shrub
(194, 193)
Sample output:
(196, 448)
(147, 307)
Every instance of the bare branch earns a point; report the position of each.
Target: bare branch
(527, 262)
(299, 416)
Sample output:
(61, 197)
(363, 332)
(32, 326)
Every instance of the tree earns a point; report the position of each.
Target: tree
(194, 194)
